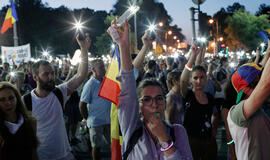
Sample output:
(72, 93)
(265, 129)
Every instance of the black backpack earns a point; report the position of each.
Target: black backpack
(27, 98)
(135, 137)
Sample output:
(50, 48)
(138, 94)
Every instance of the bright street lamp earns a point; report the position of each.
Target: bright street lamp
(220, 38)
(211, 21)
(174, 37)
(160, 24)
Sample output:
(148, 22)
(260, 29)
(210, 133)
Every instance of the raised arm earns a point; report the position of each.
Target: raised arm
(259, 94)
(147, 42)
(185, 75)
(267, 55)
(258, 55)
(77, 79)
(200, 56)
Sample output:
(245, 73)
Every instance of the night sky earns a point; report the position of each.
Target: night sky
(178, 9)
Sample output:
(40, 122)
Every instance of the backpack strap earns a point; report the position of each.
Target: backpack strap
(133, 141)
(172, 133)
(27, 98)
(59, 96)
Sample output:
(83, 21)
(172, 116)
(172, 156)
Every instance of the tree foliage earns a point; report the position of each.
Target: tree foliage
(243, 27)
(52, 28)
(104, 41)
(264, 9)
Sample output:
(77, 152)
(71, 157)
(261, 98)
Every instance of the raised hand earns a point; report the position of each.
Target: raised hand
(84, 43)
(146, 39)
(123, 33)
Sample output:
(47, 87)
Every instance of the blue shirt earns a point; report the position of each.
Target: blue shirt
(98, 108)
(145, 148)
(210, 87)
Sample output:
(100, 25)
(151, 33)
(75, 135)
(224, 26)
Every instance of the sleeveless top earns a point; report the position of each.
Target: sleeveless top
(178, 112)
(198, 116)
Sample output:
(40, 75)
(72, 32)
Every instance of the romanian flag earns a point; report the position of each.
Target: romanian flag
(264, 35)
(110, 88)
(11, 17)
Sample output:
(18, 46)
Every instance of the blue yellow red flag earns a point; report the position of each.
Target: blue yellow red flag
(110, 88)
(11, 17)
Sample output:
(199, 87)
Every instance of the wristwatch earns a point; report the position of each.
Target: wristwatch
(166, 145)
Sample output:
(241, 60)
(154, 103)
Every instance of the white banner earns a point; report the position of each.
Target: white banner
(18, 54)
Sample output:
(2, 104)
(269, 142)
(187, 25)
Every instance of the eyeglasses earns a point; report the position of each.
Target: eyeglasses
(148, 101)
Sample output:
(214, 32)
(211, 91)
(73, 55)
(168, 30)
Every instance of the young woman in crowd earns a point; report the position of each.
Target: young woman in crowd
(156, 140)
(174, 112)
(17, 128)
(199, 109)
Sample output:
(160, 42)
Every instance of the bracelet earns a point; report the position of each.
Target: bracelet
(169, 147)
(188, 67)
(228, 143)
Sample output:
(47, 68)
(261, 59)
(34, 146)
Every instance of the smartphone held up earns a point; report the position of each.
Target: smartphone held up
(129, 13)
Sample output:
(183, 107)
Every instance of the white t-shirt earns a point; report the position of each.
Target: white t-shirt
(51, 131)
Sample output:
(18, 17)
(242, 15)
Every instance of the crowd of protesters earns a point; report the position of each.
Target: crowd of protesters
(168, 109)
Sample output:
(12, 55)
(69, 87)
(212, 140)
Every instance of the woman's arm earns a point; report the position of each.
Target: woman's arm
(259, 94)
(185, 75)
(267, 55)
(200, 57)
(147, 42)
(169, 110)
(128, 107)
(258, 55)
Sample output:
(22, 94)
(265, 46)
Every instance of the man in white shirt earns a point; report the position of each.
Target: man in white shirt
(47, 108)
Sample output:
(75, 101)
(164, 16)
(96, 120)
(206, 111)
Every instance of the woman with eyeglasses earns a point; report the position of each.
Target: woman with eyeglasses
(17, 127)
(148, 138)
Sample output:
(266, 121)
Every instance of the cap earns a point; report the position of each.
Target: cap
(244, 76)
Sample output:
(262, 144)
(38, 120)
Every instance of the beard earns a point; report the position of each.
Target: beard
(47, 86)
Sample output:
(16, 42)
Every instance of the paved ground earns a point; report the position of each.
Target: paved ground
(82, 151)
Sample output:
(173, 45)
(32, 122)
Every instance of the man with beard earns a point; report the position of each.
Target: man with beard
(98, 116)
(47, 108)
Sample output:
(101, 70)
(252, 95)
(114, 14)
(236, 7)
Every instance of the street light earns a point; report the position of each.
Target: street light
(220, 38)
(211, 21)
(174, 37)
(160, 24)
(169, 32)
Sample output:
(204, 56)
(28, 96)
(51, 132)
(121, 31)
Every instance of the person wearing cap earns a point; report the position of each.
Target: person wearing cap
(248, 124)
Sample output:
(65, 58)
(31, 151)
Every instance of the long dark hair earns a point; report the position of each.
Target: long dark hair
(20, 109)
